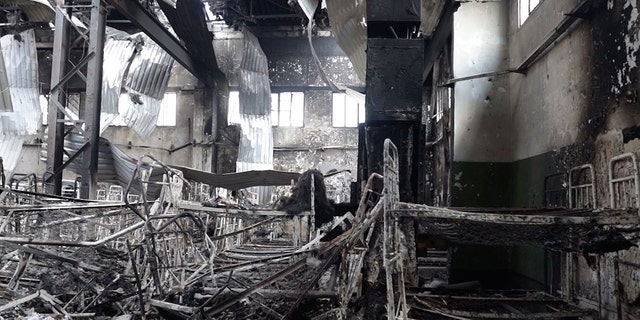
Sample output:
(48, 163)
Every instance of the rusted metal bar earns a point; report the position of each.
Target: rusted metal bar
(21, 240)
(134, 267)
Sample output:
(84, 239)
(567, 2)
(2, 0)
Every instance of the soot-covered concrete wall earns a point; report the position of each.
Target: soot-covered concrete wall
(577, 104)
(317, 144)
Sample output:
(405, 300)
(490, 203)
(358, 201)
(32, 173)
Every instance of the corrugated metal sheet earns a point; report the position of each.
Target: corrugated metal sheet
(348, 22)
(150, 70)
(5, 95)
(106, 168)
(255, 151)
(256, 141)
(124, 166)
(35, 10)
(117, 57)
(140, 113)
(146, 83)
(255, 89)
(114, 165)
(21, 65)
(10, 151)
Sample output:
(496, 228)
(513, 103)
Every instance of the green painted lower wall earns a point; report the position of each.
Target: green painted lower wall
(480, 184)
(518, 184)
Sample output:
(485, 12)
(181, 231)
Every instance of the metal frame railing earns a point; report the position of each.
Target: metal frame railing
(582, 187)
(624, 190)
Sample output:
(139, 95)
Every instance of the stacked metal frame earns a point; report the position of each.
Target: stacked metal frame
(146, 83)
(555, 190)
(21, 66)
(348, 22)
(118, 51)
(581, 195)
(256, 145)
(582, 187)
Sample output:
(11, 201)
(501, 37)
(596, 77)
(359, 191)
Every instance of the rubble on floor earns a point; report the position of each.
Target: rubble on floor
(64, 258)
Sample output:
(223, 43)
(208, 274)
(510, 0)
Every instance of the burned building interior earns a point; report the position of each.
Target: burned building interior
(319, 159)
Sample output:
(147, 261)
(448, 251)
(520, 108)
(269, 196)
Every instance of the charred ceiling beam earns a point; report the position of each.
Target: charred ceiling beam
(135, 12)
(188, 20)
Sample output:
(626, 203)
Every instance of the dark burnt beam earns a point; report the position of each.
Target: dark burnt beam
(439, 37)
(325, 47)
(137, 14)
(55, 137)
(94, 100)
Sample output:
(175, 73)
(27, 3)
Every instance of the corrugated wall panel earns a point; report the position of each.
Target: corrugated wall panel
(146, 83)
(21, 65)
(256, 140)
(348, 22)
(35, 10)
(10, 151)
(142, 116)
(5, 95)
(255, 89)
(150, 70)
(117, 57)
(255, 151)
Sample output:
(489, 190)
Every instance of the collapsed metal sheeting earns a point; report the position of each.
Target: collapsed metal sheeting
(21, 65)
(118, 52)
(146, 83)
(256, 144)
(348, 22)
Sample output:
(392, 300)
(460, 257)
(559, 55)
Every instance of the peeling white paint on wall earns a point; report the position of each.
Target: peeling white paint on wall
(632, 44)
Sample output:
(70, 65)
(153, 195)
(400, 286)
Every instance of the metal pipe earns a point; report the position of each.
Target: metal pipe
(22, 240)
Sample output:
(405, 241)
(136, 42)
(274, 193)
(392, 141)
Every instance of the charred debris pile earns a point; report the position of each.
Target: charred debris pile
(133, 257)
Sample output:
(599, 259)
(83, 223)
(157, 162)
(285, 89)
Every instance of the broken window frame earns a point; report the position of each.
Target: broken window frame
(525, 8)
(287, 109)
(233, 108)
(346, 112)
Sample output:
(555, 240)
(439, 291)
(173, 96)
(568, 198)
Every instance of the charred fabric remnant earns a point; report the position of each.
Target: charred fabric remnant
(325, 209)
(300, 199)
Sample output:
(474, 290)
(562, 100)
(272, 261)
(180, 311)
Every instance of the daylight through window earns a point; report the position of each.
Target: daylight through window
(348, 112)
(526, 7)
(287, 109)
